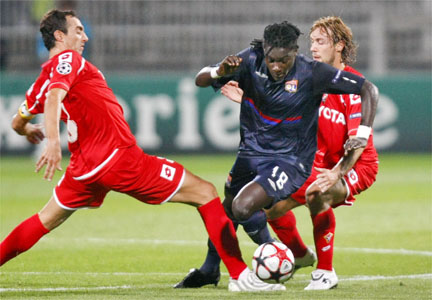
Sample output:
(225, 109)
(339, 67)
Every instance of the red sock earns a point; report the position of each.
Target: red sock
(324, 229)
(286, 230)
(223, 236)
(22, 238)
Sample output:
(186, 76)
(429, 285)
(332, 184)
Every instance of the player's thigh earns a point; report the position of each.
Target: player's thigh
(194, 191)
(52, 215)
(333, 196)
(250, 199)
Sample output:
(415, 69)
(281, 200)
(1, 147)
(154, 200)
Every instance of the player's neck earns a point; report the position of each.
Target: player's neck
(56, 50)
(339, 65)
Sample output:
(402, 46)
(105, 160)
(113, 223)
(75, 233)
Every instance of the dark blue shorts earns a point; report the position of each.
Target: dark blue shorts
(279, 176)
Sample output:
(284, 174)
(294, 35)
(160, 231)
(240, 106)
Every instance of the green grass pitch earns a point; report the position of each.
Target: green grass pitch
(129, 250)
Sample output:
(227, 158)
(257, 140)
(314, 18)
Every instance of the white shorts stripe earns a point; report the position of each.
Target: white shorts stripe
(176, 190)
(97, 169)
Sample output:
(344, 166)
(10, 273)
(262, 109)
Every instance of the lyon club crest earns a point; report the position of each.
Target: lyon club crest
(291, 86)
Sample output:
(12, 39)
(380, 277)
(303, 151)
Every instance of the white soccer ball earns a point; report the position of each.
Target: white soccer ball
(273, 262)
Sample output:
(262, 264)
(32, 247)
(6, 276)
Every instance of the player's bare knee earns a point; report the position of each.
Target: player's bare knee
(314, 201)
(208, 190)
(312, 197)
(241, 212)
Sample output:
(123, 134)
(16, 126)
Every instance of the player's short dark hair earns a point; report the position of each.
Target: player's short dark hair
(281, 35)
(338, 31)
(54, 20)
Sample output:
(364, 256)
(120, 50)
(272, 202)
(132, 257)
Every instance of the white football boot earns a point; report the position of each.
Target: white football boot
(249, 282)
(307, 260)
(322, 280)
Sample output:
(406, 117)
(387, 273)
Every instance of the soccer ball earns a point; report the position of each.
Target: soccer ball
(273, 262)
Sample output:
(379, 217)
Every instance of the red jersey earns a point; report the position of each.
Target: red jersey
(94, 119)
(339, 117)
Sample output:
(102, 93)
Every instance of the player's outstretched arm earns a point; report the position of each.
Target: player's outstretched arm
(207, 75)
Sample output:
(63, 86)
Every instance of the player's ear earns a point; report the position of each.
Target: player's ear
(340, 46)
(58, 35)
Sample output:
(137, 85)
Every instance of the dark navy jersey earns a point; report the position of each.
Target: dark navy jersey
(281, 117)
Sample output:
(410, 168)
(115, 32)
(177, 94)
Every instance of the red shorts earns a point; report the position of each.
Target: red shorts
(148, 178)
(358, 179)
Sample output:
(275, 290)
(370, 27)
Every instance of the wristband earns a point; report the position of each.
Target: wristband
(363, 132)
(214, 74)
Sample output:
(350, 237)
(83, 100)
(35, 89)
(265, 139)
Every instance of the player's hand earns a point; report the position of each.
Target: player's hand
(354, 143)
(51, 157)
(34, 133)
(232, 91)
(326, 179)
(229, 65)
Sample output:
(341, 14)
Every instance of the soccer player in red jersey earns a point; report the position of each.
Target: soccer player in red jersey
(104, 154)
(336, 177)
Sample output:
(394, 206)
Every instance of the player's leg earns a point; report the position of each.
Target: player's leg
(324, 222)
(284, 225)
(69, 195)
(209, 273)
(250, 199)
(29, 232)
(324, 226)
(202, 194)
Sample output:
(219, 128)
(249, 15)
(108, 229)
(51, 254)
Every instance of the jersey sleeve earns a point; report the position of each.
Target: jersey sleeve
(34, 103)
(327, 79)
(65, 69)
(220, 82)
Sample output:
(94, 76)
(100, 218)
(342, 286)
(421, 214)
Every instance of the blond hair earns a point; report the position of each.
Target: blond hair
(338, 31)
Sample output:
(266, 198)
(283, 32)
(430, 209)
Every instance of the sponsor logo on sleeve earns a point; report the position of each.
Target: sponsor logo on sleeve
(355, 116)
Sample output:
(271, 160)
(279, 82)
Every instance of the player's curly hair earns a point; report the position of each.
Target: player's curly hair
(338, 31)
(54, 20)
(282, 35)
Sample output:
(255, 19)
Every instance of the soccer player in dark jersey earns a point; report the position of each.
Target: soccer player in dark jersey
(104, 153)
(278, 120)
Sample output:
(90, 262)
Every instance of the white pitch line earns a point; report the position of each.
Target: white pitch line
(98, 273)
(64, 289)
(204, 244)
(123, 287)
(385, 251)
(381, 277)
